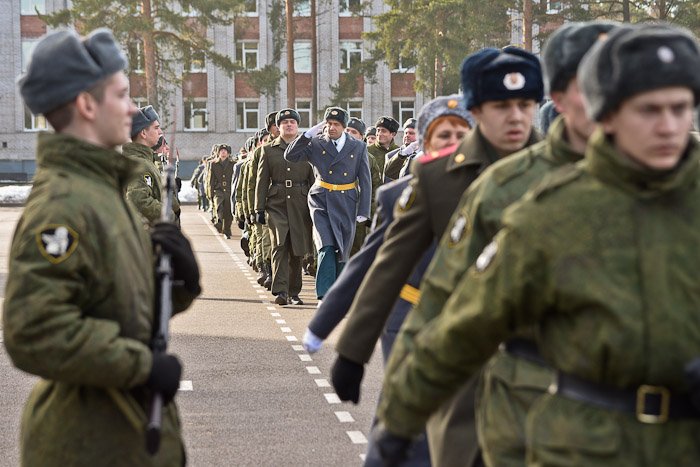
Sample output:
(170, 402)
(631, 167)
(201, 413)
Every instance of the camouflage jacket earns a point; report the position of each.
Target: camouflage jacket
(78, 310)
(600, 258)
(145, 191)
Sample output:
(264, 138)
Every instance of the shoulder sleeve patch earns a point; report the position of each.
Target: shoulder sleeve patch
(56, 242)
(406, 199)
(458, 229)
(486, 257)
(556, 179)
(148, 179)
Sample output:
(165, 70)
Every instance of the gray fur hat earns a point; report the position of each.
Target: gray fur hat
(144, 117)
(250, 144)
(63, 66)
(409, 123)
(442, 107)
(565, 49)
(636, 59)
(357, 124)
(336, 113)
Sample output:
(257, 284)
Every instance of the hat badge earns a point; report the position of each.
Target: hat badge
(665, 54)
(335, 112)
(514, 81)
(451, 103)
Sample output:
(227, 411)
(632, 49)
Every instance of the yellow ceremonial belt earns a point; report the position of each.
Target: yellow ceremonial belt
(331, 187)
(410, 294)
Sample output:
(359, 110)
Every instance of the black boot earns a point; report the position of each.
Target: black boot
(268, 281)
(295, 300)
(281, 298)
(263, 274)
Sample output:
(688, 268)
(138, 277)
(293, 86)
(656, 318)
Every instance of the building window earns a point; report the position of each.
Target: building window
(553, 7)
(348, 7)
(247, 54)
(137, 59)
(247, 116)
(139, 102)
(302, 8)
(195, 61)
(350, 55)
(403, 110)
(405, 65)
(304, 109)
(302, 57)
(34, 122)
(29, 7)
(28, 46)
(251, 7)
(195, 115)
(354, 109)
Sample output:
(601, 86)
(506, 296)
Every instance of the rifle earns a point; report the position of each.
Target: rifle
(164, 274)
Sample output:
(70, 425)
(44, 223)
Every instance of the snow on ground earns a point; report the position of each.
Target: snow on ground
(19, 193)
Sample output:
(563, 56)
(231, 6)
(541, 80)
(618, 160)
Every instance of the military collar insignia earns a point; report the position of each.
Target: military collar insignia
(148, 179)
(458, 229)
(486, 257)
(406, 199)
(514, 81)
(56, 242)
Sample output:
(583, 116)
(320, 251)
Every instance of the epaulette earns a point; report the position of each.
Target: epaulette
(434, 155)
(516, 164)
(556, 179)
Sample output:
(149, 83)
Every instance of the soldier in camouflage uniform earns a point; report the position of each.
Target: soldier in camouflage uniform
(502, 88)
(79, 302)
(600, 259)
(505, 399)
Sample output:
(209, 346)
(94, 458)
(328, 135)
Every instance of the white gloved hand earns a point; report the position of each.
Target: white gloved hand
(312, 343)
(316, 129)
(361, 218)
(410, 149)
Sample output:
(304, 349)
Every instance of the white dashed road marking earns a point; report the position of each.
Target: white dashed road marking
(292, 339)
(322, 383)
(313, 370)
(186, 386)
(298, 348)
(344, 417)
(305, 358)
(357, 437)
(332, 398)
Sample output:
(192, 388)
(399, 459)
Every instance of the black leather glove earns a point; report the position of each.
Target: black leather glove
(393, 449)
(241, 223)
(260, 217)
(165, 376)
(173, 242)
(692, 377)
(346, 377)
(251, 218)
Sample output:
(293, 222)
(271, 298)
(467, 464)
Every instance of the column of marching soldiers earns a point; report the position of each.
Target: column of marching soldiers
(547, 343)
(535, 292)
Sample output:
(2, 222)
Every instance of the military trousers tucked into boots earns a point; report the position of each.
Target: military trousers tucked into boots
(328, 270)
(286, 269)
(262, 243)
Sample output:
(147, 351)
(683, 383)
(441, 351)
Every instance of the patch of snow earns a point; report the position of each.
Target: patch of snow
(188, 194)
(14, 193)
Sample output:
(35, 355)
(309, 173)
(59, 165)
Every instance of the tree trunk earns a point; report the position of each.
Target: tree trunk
(291, 86)
(662, 10)
(314, 64)
(149, 52)
(626, 11)
(527, 25)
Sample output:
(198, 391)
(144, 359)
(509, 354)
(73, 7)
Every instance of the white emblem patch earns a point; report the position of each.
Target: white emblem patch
(56, 242)
(665, 54)
(148, 180)
(458, 229)
(406, 198)
(514, 81)
(486, 257)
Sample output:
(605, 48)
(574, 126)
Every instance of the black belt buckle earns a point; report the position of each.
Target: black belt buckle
(644, 392)
(288, 183)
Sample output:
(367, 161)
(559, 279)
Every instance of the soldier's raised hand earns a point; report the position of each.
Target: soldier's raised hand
(410, 149)
(314, 130)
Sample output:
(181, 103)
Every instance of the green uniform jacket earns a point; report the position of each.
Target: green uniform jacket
(474, 223)
(78, 311)
(220, 175)
(245, 174)
(145, 191)
(376, 153)
(239, 192)
(287, 208)
(393, 166)
(253, 176)
(379, 152)
(601, 259)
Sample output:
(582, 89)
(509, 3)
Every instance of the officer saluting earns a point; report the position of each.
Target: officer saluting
(80, 294)
(600, 258)
(338, 161)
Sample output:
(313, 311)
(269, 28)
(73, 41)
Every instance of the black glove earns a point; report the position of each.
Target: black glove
(251, 218)
(165, 376)
(173, 242)
(393, 449)
(241, 223)
(346, 377)
(260, 217)
(692, 377)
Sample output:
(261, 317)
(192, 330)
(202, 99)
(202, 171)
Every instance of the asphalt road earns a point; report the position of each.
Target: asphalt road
(250, 395)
